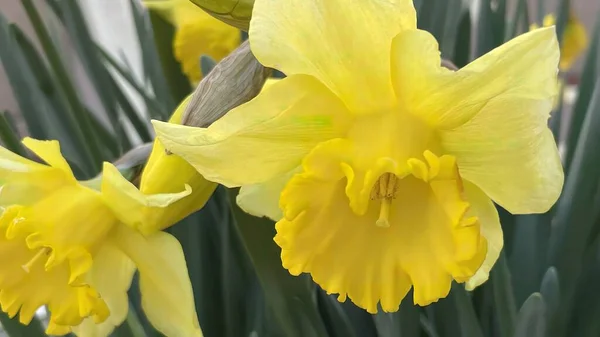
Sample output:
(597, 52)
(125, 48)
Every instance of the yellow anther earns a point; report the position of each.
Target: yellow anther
(41, 253)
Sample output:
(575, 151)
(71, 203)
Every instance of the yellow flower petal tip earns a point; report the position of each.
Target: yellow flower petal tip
(575, 39)
(66, 241)
(385, 162)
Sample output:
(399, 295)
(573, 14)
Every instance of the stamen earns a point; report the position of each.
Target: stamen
(385, 190)
(384, 213)
(41, 253)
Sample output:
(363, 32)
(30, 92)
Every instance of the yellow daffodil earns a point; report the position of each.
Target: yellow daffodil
(574, 39)
(385, 164)
(197, 34)
(65, 246)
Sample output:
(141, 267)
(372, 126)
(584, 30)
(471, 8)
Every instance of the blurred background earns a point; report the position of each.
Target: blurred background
(92, 73)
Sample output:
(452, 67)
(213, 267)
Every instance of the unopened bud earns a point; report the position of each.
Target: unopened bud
(236, 13)
(235, 80)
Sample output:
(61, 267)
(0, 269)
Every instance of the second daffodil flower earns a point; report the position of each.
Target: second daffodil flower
(74, 246)
(384, 163)
(197, 33)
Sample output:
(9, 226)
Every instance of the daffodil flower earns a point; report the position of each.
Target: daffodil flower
(197, 34)
(384, 163)
(574, 39)
(67, 245)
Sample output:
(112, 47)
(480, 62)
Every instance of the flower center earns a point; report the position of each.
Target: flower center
(385, 189)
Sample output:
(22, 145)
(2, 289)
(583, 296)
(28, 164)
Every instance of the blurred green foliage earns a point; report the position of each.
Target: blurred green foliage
(545, 283)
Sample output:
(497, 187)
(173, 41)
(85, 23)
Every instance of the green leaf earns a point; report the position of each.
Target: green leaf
(504, 301)
(528, 256)
(467, 318)
(140, 125)
(8, 135)
(335, 318)
(550, 290)
(574, 220)
(589, 76)
(291, 298)
(520, 20)
(562, 18)
(462, 49)
(79, 114)
(405, 322)
(531, 321)
(155, 108)
(164, 34)
(72, 17)
(16, 329)
(150, 59)
(22, 81)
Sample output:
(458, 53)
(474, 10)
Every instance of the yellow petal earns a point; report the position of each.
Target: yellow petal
(72, 223)
(111, 275)
(334, 41)
(263, 138)
(23, 180)
(263, 199)
(146, 213)
(494, 120)
(49, 151)
(523, 68)
(26, 283)
(167, 297)
(483, 208)
(427, 243)
(508, 152)
(204, 35)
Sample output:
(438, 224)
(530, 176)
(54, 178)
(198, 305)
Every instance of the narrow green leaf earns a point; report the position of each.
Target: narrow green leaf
(528, 257)
(462, 48)
(454, 11)
(140, 124)
(16, 329)
(405, 322)
(550, 290)
(520, 20)
(79, 115)
(485, 40)
(50, 110)
(21, 81)
(73, 19)
(562, 17)
(541, 11)
(9, 136)
(427, 326)
(164, 34)
(150, 58)
(226, 288)
(155, 108)
(206, 64)
(585, 89)
(469, 324)
(335, 318)
(531, 321)
(290, 297)
(504, 301)
(574, 221)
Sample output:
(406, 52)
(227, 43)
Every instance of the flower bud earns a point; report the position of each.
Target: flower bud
(233, 12)
(235, 80)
